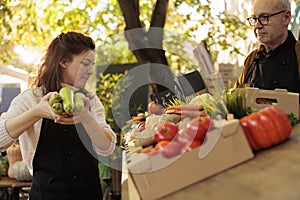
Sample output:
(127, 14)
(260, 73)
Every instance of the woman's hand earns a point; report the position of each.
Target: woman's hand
(76, 117)
(44, 109)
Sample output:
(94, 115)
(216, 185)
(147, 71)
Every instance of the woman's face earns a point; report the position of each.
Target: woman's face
(78, 71)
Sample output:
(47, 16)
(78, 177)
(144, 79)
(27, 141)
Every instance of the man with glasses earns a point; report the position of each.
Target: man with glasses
(275, 64)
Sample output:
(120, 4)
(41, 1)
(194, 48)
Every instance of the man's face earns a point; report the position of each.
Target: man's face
(273, 33)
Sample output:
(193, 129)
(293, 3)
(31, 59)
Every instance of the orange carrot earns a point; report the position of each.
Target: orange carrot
(189, 113)
(185, 107)
(135, 119)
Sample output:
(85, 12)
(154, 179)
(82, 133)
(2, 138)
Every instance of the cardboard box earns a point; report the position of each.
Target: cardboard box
(258, 99)
(155, 176)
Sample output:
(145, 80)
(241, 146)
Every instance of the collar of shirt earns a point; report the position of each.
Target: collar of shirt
(262, 51)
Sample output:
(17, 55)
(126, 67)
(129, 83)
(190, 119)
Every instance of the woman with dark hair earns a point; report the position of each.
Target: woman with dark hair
(60, 150)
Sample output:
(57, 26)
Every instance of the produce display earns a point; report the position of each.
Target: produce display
(201, 136)
(66, 100)
(178, 128)
(171, 131)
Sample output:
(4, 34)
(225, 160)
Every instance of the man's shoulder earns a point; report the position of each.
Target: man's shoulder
(297, 49)
(250, 57)
(297, 46)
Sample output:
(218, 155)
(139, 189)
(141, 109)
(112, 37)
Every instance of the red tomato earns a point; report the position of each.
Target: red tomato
(184, 136)
(190, 146)
(171, 150)
(166, 131)
(200, 126)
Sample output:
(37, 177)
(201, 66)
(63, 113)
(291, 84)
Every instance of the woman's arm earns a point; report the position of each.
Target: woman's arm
(103, 138)
(15, 126)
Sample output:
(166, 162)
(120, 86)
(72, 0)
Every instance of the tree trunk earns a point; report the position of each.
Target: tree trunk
(147, 45)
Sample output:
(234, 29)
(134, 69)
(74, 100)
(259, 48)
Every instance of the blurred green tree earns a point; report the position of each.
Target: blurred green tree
(32, 24)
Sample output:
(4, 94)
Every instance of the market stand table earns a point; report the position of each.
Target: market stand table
(16, 186)
(272, 174)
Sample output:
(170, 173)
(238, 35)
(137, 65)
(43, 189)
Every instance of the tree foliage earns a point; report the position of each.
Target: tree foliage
(32, 24)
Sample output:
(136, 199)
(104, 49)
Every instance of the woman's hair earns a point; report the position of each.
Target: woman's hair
(63, 47)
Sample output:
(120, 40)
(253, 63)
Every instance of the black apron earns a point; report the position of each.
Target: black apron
(63, 169)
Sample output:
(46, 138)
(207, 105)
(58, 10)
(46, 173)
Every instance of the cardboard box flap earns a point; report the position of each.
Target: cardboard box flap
(220, 130)
(258, 99)
(230, 128)
(274, 96)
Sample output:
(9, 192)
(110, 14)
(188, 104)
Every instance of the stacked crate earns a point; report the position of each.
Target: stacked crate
(227, 71)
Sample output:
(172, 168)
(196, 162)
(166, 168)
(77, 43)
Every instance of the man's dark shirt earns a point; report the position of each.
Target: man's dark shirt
(276, 69)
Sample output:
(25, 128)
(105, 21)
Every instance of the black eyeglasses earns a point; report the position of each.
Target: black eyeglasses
(263, 20)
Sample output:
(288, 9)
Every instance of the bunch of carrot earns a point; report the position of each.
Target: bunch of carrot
(186, 110)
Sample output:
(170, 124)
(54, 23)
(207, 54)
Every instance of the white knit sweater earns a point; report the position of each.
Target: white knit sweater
(29, 139)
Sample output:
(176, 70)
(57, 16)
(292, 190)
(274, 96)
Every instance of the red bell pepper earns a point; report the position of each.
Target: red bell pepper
(267, 127)
(251, 140)
(283, 120)
(258, 131)
(268, 121)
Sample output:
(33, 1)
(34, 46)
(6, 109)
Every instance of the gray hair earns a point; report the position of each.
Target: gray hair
(284, 5)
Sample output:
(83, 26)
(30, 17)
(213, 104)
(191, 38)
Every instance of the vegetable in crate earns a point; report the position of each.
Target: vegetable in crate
(213, 107)
(166, 131)
(154, 108)
(199, 126)
(186, 110)
(190, 146)
(266, 128)
(171, 149)
(168, 149)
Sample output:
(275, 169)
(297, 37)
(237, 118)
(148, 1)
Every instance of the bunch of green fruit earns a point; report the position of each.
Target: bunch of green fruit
(66, 100)
(4, 165)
